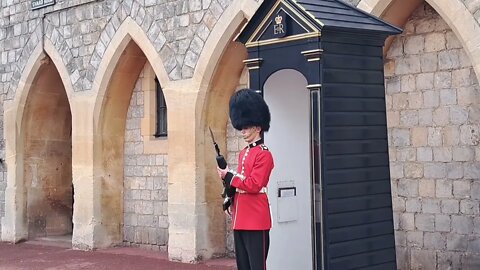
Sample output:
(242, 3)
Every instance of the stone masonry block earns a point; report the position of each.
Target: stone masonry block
(448, 60)
(454, 170)
(419, 136)
(469, 207)
(442, 154)
(393, 119)
(392, 85)
(474, 245)
(434, 241)
(442, 223)
(408, 188)
(408, 65)
(400, 238)
(424, 81)
(457, 242)
(423, 259)
(408, 83)
(470, 261)
(425, 222)
(443, 80)
(463, 154)
(407, 221)
(461, 77)
(449, 260)
(431, 206)
(448, 96)
(429, 62)
(425, 116)
(413, 205)
(461, 188)
(415, 100)
(406, 154)
(409, 118)
(400, 137)
(398, 204)
(450, 206)
(462, 224)
(431, 99)
(426, 188)
(435, 42)
(472, 170)
(467, 96)
(400, 101)
(435, 170)
(413, 170)
(415, 239)
(403, 258)
(451, 136)
(458, 115)
(476, 225)
(424, 154)
(434, 136)
(414, 44)
(441, 116)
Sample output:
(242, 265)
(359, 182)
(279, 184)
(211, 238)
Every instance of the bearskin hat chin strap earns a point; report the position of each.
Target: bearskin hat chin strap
(248, 109)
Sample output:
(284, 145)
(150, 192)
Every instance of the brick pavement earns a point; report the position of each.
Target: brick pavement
(39, 256)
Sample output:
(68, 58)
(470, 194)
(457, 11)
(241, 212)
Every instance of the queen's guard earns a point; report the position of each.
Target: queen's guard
(251, 218)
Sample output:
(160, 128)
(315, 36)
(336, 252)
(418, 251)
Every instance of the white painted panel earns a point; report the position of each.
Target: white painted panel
(289, 141)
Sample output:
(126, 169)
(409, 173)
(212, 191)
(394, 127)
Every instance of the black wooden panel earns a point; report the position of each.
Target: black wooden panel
(354, 90)
(352, 76)
(348, 49)
(357, 175)
(339, 61)
(351, 133)
(361, 246)
(336, 206)
(356, 161)
(382, 266)
(341, 119)
(334, 104)
(374, 258)
(360, 217)
(357, 189)
(355, 147)
(360, 231)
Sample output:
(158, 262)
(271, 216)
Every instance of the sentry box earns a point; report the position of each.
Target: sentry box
(319, 65)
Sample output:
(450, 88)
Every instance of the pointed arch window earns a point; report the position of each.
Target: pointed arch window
(161, 117)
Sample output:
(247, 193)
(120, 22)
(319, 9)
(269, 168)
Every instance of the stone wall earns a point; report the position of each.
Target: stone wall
(82, 30)
(145, 184)
(434, 133)
(3, 184)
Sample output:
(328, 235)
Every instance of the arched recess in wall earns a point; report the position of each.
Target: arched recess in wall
(38, 144)
(122, 63)
(219, 70)
(453, 12)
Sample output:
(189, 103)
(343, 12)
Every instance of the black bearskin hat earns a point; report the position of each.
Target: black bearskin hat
(248, 109)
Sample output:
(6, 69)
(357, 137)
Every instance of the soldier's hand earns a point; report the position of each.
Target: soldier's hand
(222, 172)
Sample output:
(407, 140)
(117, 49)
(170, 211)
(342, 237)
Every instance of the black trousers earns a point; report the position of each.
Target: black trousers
(251, 249)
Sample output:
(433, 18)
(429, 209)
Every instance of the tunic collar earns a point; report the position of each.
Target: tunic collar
(255, 143)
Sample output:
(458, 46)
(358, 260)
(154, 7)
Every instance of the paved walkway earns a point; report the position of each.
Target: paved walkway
(40, 256)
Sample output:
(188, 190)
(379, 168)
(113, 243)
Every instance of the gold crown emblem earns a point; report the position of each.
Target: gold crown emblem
(278, 19)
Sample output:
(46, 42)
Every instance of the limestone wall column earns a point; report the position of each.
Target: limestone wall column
(14, 226)
(187, 220)
(86, 197)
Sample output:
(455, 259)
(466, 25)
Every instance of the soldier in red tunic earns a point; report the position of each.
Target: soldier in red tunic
(251, 218)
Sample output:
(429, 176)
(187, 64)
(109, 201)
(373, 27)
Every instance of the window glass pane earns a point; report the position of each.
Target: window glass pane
(161, 128)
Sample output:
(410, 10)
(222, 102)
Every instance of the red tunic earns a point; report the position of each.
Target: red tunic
(251, 210)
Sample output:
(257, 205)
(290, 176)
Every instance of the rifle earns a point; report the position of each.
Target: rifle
(228, 191)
